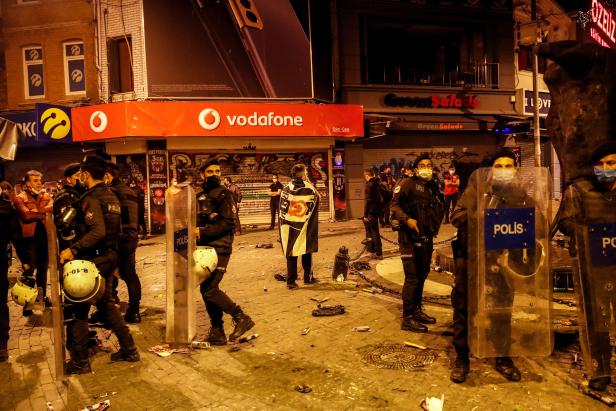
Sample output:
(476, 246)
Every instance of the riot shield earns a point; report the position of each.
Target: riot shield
(595, 280)
(509, 281)
(181, 283)
(57, 310)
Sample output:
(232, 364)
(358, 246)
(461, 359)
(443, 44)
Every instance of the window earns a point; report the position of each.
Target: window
(34, 79)
(74, 68)
(120, 65)
(525, 60)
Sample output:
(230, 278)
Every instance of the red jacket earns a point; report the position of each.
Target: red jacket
(32, 210)
(452, 184)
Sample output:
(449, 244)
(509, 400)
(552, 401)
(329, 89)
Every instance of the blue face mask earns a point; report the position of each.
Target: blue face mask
(605, 175)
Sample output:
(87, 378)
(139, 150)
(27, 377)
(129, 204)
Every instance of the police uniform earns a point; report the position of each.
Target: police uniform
(98, 244)
(216, 217)
(420, 200)
(10, 232)
(127, 246)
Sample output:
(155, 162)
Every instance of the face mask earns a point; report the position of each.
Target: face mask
(501, 176)
(425, 173)
(605, 175)
(212, 182)
(452, 171)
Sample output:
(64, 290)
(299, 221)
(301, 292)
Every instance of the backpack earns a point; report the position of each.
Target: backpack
(386, 195)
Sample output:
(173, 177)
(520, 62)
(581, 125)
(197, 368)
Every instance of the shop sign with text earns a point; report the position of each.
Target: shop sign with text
(434, 101)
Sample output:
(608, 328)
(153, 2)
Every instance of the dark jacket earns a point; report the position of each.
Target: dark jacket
(68, 231)
(216, 212)
(374, 203)
(10, 231)
(586, 202)
(129, 205)
(103, 222)
(420, 200)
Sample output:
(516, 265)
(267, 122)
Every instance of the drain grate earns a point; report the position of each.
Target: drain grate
(396, 356)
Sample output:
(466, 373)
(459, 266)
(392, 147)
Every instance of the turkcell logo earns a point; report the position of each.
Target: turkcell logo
(509, 228)
(602, 244)
(180, 242)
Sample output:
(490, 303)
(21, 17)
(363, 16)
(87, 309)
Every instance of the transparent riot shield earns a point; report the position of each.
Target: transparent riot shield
(181, 283)
(509, 279)
(57, 310)
(595, 280)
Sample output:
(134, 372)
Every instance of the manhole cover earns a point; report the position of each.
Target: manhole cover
(396, 356)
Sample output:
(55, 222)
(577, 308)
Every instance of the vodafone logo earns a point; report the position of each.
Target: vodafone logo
(98, 121)
(209, 119)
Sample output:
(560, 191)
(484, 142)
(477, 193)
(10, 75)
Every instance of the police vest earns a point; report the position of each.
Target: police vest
(597, 206)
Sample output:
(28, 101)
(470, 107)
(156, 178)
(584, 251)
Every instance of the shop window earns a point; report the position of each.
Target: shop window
(34, 76)
(120, 65)
(74, 68)
(525, 60)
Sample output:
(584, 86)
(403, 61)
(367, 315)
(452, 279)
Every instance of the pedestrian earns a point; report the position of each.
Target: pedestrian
(10, 232)
(417, 208)
(589, 219)
(388, 183)
(373, 209)
(275, 189)
(102, 219)
(141, 226)
(237, 197)
(32, 204)
(452, 191)
(216, 218)
(299, 225)
(504, 165)
(128, 241)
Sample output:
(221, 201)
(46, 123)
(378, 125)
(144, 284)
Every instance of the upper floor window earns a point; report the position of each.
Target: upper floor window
(74, 68)
(34, 77)
(525, 60)
(120, 65)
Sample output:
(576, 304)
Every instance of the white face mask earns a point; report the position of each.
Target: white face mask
(452, 171)
(503, 176)
(425, 173)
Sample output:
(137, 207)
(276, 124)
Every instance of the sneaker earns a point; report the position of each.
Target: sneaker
(4, 355)
(132, 317)
(599, 384)
(125, 355)
(411, 324)
(216, 336)
(424, 318)
(460, 370)
(505, 366)
(242, 323)
(77, 367)
(311, 280)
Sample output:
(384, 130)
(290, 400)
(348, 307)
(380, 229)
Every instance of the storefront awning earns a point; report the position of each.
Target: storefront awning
(214, 119)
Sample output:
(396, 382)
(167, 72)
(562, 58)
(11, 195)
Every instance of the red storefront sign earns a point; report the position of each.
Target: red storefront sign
(200, 119)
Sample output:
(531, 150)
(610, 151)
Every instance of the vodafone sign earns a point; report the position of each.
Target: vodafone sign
(199, 119)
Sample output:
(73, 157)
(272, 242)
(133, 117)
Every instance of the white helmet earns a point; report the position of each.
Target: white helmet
(81, 282)
(206, 261)
(23, 294)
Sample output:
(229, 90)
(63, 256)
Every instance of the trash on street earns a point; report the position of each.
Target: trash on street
(328, 310)
(200, 345)
(433, 403)
(247, 338)
(99, 406)
(305, 331)
(361, 329)
(165, 350)
(414, 345)
(265, 245)
(304, 389)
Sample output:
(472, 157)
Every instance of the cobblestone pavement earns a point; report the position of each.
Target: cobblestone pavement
(331, 359)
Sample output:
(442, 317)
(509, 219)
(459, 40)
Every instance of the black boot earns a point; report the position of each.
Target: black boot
(424, 318)
(460, 369)
(505, 366)
(132, 316)
(131, 355)
(599, 384)
(78, 364)
(410, 323)
(242, 323)
(216, 336)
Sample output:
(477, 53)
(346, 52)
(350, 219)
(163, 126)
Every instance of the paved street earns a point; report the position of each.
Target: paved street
(341, 366)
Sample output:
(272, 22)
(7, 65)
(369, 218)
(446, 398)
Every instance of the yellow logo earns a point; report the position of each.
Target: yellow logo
(56, 123)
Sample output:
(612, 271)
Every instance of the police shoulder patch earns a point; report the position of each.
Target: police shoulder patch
(89, 216)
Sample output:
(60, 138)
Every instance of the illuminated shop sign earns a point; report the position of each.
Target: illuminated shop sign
(436, 101)
(602, 25)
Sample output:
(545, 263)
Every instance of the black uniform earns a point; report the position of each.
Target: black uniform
(10, 232)
(420, 200)
(373, 209)
(127, 243)
(216, 222)
(274, 202)
(102, 220)
(68, 231)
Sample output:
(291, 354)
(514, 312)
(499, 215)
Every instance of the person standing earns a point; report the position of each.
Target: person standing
(387, 186)
(10, 232)
(102, 219)
(237, 197)
(32, 204)
(299, 229)
(127, 241)
(216, 216)
(417, 208)
(141, 226)
(452, 191)
(373, 209)
(275, 189)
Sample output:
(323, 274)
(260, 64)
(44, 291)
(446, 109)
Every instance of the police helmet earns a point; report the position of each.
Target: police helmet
(205, 262)
(81, 282)
(24, 294)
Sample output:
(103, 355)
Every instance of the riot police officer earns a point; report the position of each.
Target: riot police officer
(417, 211)
(127, 241)
(216, 216)
(589, 219)
(68, 198)
(98, 244)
